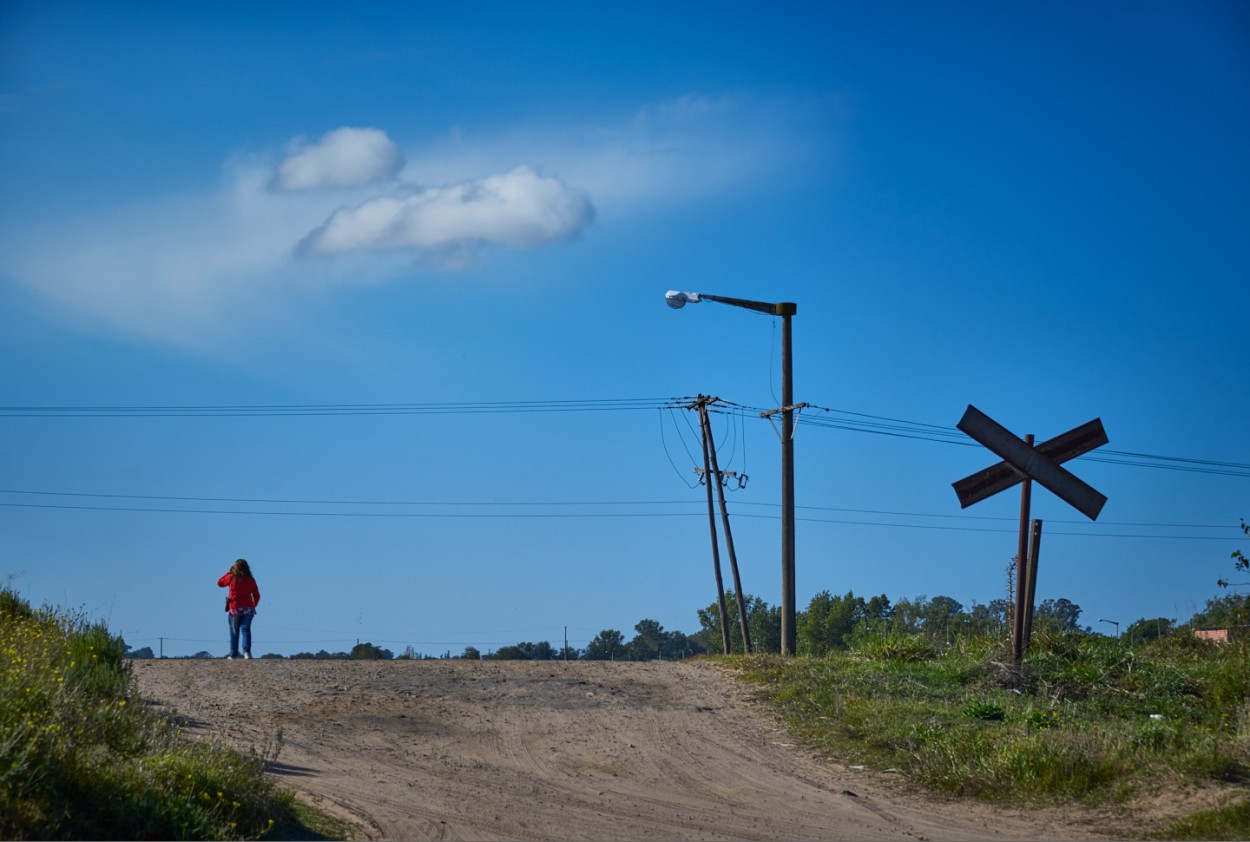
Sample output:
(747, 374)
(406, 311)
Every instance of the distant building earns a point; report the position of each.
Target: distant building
(1223, 634)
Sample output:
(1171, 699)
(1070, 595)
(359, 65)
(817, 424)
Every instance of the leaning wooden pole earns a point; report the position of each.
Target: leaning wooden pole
(1035, 549)
(711, 521)
(729, 537)
(1022, 554)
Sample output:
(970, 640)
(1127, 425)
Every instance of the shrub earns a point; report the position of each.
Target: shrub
(80, 758)
(896, 647)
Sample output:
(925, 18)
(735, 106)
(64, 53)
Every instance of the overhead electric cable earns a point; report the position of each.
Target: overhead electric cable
(499, 515)
(216, 411)
(312, 502)
(664, 443)
(578, 503)
(576, 515)
(830, 418)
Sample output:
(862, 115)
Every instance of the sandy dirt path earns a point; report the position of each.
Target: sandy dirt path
(549, 750)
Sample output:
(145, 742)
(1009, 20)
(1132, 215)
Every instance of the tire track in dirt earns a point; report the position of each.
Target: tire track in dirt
(554, 750)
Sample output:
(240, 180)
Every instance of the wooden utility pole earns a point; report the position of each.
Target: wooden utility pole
(1022, 563)
(715, 476)
(1030, 598)
(711, 522)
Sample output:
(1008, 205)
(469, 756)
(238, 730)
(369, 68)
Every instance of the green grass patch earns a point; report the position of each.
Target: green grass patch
(1231, 822)
(81, 758)
(1086, 719)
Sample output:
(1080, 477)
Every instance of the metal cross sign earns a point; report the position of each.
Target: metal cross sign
(1022, 461)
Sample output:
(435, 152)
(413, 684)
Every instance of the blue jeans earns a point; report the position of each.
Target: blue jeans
(240, 626)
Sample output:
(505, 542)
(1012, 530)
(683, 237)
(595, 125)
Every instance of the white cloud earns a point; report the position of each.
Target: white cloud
(518, 209)
(346, 157)
(185, 270)
(202, 268)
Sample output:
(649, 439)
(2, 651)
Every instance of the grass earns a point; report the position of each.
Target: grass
(1229, 822)
(81, 758)
(1087, 719)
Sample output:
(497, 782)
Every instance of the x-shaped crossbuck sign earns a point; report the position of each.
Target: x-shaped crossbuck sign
(1040, 462)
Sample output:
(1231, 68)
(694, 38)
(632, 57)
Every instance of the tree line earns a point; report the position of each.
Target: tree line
(830, 623)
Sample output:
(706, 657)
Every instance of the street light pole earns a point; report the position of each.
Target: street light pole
(786, 310)
(788, 631)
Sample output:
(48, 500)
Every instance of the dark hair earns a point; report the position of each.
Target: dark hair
(241, 569)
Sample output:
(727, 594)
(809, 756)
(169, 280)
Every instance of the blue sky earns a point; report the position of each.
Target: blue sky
(387, 220)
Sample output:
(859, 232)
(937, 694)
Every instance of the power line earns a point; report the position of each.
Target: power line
(308, 502)
(572, 503)
(682, 439)
(582, 515)
(838, 419)
(513, 515)
(239, 410)
(949, 435)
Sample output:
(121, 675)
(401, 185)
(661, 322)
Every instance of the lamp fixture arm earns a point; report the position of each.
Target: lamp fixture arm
(782, 309)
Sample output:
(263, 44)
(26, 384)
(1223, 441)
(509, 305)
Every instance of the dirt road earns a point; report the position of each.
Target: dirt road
(550, 750)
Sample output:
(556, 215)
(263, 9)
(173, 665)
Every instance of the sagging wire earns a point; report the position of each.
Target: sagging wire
(664, 442)
(735, 430)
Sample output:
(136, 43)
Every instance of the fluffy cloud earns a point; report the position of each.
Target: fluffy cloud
(518, 209)
(201, 269)
(345, 157)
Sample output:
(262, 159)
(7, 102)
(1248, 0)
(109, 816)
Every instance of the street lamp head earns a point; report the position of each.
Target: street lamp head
(677, 300)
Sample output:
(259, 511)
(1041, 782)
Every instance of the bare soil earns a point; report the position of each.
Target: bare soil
(552, 750)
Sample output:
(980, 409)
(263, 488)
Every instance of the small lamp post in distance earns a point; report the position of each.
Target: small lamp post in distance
(786, 310)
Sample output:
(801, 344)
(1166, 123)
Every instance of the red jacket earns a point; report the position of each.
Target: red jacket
(243, 593)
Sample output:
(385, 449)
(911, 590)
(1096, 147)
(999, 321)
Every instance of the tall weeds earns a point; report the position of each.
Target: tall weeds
(80, 758)
(1086, 718)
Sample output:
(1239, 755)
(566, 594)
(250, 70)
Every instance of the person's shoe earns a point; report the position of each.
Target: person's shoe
(229, 657)
(247, 656)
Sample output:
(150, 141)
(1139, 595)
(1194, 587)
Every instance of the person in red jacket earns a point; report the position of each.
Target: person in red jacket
(241, 601)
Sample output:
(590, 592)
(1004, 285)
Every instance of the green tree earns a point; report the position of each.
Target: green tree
(368, 652)
(763, 622)
(608, 645)
(878, 608)
(827, 623)
(677, 646)
(830, 622)
(942, 617)
(471, 653)
(541, 651)
(908, 615)
(321, 655)
(1058, 615)
(1228, 610)
(648, 644)
(1144, 631)
(991, 617)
